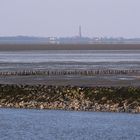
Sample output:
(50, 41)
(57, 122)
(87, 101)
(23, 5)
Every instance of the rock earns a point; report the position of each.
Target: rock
(70, 98)
(104, 98)
(41, 106)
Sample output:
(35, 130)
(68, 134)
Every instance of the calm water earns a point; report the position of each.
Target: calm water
(65, 125)
(71, 56)
(74, 59)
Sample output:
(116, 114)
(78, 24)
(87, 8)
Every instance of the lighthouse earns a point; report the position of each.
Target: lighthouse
(80, 32)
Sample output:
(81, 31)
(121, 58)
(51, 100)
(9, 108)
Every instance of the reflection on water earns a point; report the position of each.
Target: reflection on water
(66, 125)
(70, 56)
(74, 59)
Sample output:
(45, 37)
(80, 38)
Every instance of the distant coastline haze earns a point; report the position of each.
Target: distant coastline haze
(62, 18)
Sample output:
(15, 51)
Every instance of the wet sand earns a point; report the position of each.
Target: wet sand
(85, 81)
(20, 47)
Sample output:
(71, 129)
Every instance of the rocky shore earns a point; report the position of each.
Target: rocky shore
(105, 99)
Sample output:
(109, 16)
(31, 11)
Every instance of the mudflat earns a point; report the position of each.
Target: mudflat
(50, 63)
(20, 47)
(85, 81)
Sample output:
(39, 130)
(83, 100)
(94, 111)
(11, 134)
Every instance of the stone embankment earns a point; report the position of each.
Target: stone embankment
(111, 99)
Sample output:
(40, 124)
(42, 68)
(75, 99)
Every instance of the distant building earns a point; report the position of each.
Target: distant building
(53, 40)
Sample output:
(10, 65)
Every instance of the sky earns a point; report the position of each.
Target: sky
(61, 18)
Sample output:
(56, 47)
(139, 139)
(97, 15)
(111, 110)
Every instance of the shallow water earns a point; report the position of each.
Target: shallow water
(70, 56)
(70, 59)
(18, 124)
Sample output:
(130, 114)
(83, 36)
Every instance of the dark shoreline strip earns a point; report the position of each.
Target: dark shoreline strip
(30, 47)
(105, 99)
(70, 72)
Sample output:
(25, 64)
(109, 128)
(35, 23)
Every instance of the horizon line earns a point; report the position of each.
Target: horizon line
(34, 36)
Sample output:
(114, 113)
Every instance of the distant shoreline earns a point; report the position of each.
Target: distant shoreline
(28, 47)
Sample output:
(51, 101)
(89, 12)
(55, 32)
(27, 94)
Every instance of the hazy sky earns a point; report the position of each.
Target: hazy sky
(62, 17)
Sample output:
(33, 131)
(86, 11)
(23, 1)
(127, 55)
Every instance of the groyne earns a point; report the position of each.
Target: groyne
(106, 99)
(69, 72)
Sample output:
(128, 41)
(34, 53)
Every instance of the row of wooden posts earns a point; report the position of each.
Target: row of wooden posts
(69, 72)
